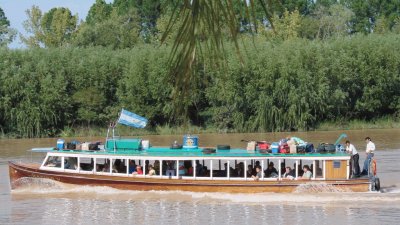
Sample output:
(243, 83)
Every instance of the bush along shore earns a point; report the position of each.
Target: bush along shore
(340, 83)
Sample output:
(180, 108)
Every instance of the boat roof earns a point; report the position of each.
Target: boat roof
(195, 153)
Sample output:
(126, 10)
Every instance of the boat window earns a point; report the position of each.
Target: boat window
(272, 168)
(131, 166)
(185, 168)
(151, 167)
(118, 166)
(250, 168)
(230, 172)
(201, 168)
(169, 166)
(238, 168)
(290, 172)
(319, 168)
(86, 164)
(101, 165)
(220, 168)
(71, 163)
(53, 161)
(306, 163)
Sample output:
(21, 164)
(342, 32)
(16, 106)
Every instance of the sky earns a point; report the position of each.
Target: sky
(15, 11)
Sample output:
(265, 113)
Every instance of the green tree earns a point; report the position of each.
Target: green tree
(382, 25)
(52, 29)
(287, 27)
(7, 34)
(99, 12)
(58, 25)
(148, 11)
(396, 26)
(32, 25)
(117, 32)
(333, 20)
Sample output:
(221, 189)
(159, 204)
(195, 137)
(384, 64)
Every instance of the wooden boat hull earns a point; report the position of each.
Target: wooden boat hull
(18, 171)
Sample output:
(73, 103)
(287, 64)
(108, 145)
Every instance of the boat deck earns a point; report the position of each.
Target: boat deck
(168, 152)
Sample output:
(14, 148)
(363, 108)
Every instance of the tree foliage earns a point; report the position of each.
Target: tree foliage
(117, 31)
(246, 66)
(7, 34)
(290, 85)
(51, 29)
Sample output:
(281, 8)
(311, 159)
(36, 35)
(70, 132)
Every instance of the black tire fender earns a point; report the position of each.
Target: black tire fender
(223, 147)
(209, 150)
(377, 184)
(176, 146)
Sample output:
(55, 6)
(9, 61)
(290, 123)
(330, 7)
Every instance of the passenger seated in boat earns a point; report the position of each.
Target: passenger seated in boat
(115, 169)
(199, 169)
(151, 171)
(138, 171)
(118, 166)
(157, 166)
(271, 171)
(132, 166)
(53, 161)
(300, 171)
(239, 170)
(106, 167)
(146, 165)
(258, 174)
(70, 163)
(250, 170)
(190, 171)
(307, 173)
(289, 174)
(255, 166)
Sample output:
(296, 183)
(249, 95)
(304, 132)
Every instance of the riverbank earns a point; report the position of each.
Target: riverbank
(380, 123)
(96, 131)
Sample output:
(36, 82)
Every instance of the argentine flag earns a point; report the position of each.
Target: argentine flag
(131, 119)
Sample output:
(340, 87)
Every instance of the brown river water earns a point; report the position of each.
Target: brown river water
(48, 202)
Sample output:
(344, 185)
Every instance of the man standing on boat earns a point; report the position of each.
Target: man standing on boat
(370, 153)
(354, 159)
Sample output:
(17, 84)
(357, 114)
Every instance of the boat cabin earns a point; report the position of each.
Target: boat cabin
(128, 158)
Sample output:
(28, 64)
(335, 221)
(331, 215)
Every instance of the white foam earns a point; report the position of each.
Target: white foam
(323, 194)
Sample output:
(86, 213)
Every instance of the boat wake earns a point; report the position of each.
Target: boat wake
(320, 188)
(307, 194)
(37, 184)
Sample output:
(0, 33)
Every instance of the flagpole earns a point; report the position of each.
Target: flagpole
(113, 131)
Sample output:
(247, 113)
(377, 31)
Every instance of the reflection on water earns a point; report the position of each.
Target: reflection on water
(42, 201)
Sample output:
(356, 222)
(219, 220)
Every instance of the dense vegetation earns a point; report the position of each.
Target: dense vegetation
(308, 64)
(283, 86)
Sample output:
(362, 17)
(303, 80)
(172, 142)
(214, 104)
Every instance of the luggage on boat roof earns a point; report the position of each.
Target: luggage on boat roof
(326, 148)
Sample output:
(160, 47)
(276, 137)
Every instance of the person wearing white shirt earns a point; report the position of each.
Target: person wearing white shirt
(354, 159)
(370, 153)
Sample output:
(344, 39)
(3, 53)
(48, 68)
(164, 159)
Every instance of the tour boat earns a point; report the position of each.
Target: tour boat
(188, 168)
(134, 164)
